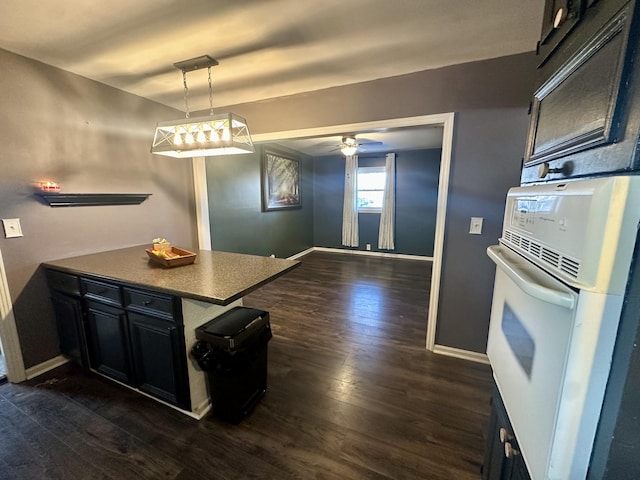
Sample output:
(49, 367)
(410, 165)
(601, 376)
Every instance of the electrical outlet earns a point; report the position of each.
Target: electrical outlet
(12, 227)
(476, 226)
(368, 246)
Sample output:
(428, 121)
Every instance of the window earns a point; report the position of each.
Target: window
(371, 182)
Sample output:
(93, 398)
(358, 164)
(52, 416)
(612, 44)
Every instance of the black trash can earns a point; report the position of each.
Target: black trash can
(232, 348)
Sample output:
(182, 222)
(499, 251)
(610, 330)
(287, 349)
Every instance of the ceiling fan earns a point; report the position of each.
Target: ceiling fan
(350, 146)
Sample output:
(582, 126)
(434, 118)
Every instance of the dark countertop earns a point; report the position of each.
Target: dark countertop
(215, 277)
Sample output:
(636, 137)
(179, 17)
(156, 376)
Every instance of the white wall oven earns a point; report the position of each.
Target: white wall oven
(562, 266)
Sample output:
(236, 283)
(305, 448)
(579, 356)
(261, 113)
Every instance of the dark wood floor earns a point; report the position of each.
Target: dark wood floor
(352, 394)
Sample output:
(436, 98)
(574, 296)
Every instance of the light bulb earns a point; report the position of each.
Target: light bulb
(188, 138)
(226, 134)
(348, 151)
(200, 136)
(214, 135)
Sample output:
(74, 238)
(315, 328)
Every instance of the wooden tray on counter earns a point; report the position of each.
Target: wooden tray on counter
(186, 258)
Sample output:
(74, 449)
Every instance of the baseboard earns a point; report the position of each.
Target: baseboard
(301, 254)
(44, 367)
(199, 411)
(459, 353)
(363, 252)
(198, 416)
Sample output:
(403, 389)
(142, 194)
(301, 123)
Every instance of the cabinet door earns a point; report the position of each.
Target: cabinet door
(68, 313)
(584, 117)
(109, 342)
(519, 471)
(493, 454)
(502, 459)
(158, 356)
(579, 107)
(558, 19)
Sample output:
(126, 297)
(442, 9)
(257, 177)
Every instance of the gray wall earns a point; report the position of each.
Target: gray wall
(91, 139)
(491, 99)
(237, 222)
(486, 163)
(416, 198)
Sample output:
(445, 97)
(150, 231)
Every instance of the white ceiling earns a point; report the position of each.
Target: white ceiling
(266, 48)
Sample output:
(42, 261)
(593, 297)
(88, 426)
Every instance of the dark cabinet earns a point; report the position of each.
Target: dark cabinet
(159, 367)
(131, 335)
(503, 459)
(67, 307)
(585, 115)
(558, 19)
(109, 342)
(69, 322)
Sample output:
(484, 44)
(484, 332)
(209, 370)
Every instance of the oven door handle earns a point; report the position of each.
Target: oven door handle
(528, 284)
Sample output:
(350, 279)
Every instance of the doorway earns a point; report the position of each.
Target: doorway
(446, 121)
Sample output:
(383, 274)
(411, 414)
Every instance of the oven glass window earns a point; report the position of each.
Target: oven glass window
(519, 339)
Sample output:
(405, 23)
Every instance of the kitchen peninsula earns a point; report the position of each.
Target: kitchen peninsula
(124, 316)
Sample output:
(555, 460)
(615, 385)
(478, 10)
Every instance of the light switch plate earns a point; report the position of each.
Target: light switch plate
(12, 227)
(475, 228)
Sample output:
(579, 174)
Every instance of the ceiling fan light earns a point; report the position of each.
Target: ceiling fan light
(349, 150)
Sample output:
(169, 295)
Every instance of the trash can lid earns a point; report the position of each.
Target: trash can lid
(232, 322)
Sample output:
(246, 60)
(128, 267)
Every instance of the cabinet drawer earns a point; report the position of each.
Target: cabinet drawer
(63, 282)
(104, 292)
(150, 303)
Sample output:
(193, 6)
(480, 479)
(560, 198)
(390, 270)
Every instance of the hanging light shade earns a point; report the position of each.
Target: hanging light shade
(221, 134)
(215, 134)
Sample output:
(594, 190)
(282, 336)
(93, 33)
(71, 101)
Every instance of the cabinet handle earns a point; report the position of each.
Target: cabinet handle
(147, 302)
(544, 170)
(561, 15)
(509, 451)
(504, 435)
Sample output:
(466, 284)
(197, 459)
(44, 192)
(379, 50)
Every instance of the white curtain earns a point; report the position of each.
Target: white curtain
(387, 218)
(350, 209)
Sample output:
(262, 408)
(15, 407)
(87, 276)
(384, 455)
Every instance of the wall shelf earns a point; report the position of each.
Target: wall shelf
(92, 199)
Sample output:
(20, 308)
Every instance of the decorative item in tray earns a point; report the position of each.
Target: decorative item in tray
(168, 256)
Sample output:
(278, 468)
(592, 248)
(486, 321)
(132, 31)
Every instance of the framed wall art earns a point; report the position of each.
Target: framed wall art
(280, 181)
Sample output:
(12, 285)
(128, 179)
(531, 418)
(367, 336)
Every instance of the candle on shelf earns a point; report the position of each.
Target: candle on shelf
(49, 186)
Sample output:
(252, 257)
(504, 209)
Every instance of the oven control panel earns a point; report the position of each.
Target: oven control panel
(580, 231)
(553, 219)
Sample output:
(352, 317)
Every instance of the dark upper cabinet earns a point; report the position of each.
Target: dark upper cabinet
(558, 19)
(585, 116)
(578, 107)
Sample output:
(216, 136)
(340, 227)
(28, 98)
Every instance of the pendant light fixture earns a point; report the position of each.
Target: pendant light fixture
(215, 134)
